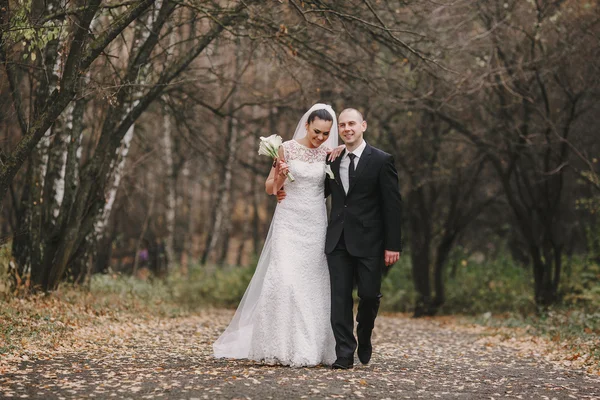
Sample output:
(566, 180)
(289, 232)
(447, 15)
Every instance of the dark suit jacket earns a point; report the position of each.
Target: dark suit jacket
(370, 214)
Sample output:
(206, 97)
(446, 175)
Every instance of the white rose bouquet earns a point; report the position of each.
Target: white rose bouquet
(269, 146)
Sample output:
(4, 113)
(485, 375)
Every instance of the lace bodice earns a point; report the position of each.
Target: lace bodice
(293, 150)
(308, 168)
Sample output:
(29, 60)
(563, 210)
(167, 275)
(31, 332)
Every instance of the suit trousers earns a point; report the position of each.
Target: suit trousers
(344, 271)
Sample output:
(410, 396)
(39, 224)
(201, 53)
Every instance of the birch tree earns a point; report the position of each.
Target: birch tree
(82, 52)
(99, 177)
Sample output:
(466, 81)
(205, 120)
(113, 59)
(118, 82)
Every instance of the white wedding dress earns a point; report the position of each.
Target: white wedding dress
(284, 315)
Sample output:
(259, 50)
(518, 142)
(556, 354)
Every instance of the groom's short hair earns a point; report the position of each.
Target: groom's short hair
(355, 110)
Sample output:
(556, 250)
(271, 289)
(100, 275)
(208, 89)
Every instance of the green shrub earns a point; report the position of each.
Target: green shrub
(491, 286)
(397, 287)
(580, 286)
(5, 258)
(130, 287)
(202, 286)
(477, 287)
(210, 285)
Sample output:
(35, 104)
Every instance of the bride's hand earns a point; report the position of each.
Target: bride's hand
(282, 168)
(335, 153)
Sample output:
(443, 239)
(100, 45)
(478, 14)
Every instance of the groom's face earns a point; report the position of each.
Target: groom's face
(351, 126)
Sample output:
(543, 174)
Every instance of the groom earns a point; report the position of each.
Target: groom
(363, 235)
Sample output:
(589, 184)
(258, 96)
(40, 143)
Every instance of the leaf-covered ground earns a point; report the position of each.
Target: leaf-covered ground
(123, 356)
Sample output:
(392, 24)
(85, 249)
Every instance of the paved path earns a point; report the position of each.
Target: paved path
(171, 359)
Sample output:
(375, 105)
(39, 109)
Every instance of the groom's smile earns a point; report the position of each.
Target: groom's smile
(348, 136)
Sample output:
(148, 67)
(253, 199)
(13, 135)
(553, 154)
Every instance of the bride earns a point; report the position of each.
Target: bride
(283, 317)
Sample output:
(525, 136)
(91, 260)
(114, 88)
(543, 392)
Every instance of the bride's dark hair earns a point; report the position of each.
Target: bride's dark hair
(321, 114)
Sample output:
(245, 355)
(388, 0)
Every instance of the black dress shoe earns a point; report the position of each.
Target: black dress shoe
(364, 352)
(343, 363)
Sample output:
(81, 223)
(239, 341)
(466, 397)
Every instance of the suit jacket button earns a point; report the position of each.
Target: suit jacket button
(345, 205)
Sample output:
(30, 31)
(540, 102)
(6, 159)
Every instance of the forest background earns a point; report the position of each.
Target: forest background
(129, 135)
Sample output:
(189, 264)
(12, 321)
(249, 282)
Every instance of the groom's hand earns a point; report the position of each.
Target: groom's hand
(391, 257)
(280, 195)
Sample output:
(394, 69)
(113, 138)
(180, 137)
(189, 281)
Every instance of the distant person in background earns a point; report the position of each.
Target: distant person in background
(144, 255)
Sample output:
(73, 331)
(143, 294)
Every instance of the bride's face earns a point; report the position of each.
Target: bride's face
(317, 131)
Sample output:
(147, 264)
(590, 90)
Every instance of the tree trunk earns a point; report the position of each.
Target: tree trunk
(191, 199)
(256, 234)
(222, 208)
(138, 245)
(222, 218)
(443, 250)
(557, 269)
(420, 244)
(75, 127)
(171, 177)
(22, 243)
(115, 181)
(546, 274)
(34, 240)
(171, 181)
(249, 224)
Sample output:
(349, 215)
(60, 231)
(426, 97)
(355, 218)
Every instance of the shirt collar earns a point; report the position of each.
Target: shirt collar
(359, 150)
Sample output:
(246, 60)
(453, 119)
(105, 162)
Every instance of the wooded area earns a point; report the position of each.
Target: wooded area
(129, 129)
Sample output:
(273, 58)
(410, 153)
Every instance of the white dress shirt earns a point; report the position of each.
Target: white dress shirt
(345, 164)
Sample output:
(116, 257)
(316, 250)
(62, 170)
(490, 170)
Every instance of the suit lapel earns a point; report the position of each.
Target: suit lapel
(362, 164)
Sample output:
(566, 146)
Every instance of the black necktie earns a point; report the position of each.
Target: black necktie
(351, 169)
